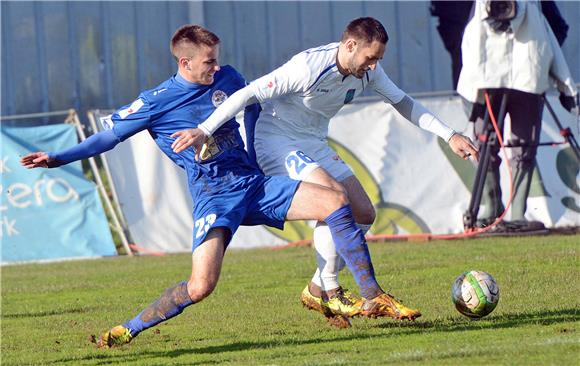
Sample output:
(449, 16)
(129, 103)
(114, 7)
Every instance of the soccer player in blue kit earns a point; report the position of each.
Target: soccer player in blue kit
(227, 187)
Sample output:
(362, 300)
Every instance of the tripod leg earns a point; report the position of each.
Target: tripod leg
(489, 139)
(567, 133)
(470, 215)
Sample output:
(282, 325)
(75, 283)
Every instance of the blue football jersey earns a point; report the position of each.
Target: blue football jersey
(227, 187)
(178, 104)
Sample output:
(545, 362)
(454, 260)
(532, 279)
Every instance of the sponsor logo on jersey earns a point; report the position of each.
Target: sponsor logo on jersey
(217, 144)
(159, 91)
(270, 84)
(209, 149)
(218, 97)
(134, 107)
(322, 90)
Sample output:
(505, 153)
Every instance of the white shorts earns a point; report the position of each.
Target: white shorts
(280, 155)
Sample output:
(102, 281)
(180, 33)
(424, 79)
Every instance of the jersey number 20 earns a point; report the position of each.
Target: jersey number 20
(296, 161)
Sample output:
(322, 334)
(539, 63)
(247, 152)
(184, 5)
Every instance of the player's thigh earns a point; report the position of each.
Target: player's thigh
(332, 171)
(309, 160)
(313, 166)
(321, 177)
(276, 152)
(334, 166)
(268, 199)
(285, 157)
(362, 207)
(206, 263)
(315, 202)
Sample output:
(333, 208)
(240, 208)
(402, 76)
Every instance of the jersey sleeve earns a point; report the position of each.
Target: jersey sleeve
(384, 87)
(292, 77)
(93, 145)
(132, 118)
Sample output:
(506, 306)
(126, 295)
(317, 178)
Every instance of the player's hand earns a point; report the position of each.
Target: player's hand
(37, 160)
(187, 138)
(463, 147)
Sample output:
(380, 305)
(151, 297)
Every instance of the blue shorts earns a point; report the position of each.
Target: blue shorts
(247, 200)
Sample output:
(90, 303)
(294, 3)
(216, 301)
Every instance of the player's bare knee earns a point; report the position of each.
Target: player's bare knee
(337, 187)
(339, 199)
(330, 202)
(199, 290)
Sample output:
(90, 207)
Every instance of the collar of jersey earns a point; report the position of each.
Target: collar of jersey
(188, 84)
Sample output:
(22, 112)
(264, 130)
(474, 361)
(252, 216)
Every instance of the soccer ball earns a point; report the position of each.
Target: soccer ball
(475, 294)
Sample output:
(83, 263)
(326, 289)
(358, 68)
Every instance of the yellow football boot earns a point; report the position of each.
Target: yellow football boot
(317, 304)
(387, 305)
(344, 302)
(117, 336)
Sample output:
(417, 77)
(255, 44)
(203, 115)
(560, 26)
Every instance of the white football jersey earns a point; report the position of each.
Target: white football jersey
(300, 97)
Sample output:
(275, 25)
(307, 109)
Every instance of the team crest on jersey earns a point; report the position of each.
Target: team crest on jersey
(218, 97)
(106, 122)
(349, 96)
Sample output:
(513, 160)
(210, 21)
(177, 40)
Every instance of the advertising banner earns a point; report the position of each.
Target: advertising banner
(414, 180)
(48, 213)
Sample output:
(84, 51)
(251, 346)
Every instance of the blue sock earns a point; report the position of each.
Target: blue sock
(351, 245)
(170, 304)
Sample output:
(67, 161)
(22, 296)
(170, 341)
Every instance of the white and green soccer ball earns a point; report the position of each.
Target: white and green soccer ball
(475, 294)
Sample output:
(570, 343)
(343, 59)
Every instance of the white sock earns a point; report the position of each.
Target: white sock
(328, 260)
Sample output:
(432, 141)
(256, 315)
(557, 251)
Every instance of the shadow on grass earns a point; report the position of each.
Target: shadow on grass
(453, 324)
(40, 314)
(406, 328)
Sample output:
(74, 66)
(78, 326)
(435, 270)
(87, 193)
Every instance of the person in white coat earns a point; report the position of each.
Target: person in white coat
(509, 49)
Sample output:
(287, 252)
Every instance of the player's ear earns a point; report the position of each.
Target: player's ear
(184, 62)
(351, 44)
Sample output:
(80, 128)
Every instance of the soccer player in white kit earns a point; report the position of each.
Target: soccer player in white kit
(298, 100)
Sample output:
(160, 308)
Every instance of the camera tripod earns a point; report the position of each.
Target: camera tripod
(489, 139)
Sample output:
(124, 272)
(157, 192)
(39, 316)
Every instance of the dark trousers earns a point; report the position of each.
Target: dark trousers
(525, 111)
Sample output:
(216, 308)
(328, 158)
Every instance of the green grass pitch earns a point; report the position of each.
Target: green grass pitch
(49, 311)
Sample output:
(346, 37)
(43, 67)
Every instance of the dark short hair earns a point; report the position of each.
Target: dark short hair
(366, 29)
(194, 34)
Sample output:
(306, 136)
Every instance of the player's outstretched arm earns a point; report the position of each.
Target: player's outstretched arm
(416, 113)
(36, 160)
(463, 147)
(94, 145)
